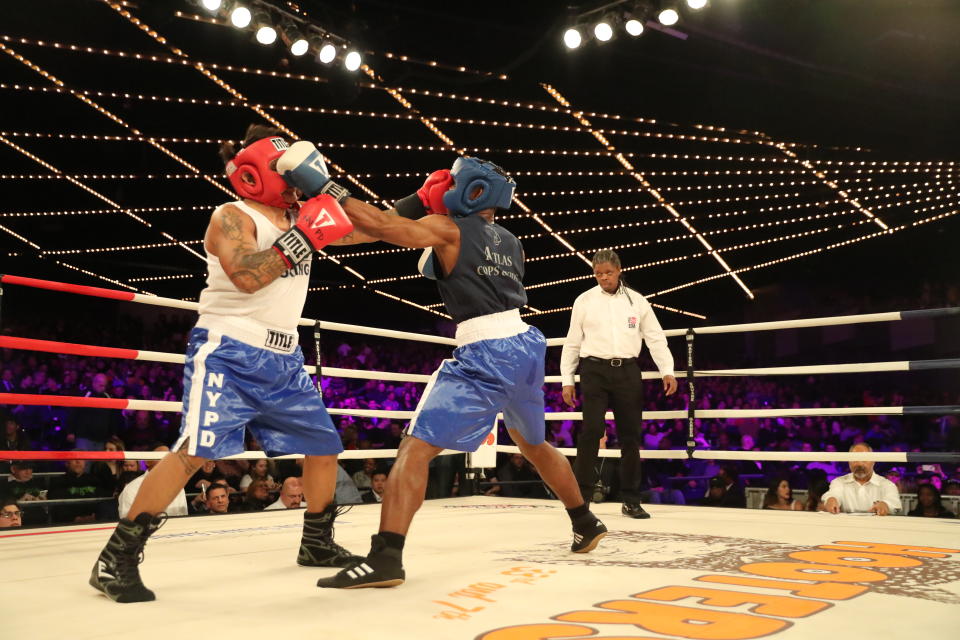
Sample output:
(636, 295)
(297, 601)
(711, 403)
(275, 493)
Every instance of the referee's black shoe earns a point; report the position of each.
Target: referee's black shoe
(634, 510)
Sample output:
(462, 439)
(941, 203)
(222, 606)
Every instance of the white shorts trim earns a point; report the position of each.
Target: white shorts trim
(191, 431)
(423, 398)
(503, 324)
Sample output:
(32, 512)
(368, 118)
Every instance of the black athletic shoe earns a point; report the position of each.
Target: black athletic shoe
(382, 568)
(634, 510)
(116, 572)
(317, 548)
(587, 532)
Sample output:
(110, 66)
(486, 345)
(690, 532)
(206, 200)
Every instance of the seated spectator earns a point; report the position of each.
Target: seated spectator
(10, 515)
(896, 478)
(346, 491)
(14, 439)
(716, 490)
(259, 470)
(952, 488)
(364, 477)
(107, 472)
(862, 491)
(21, 485)
(216, 500)
(257, 496)
(559, 433)
(76, 483)
(291, 495)
(377, 484)
(780, 496)
(205, 476)
(178, 507)
(815, 493)
(90, 427)
(518, 469)
(734, 494)
(929, 504)
(232, 472)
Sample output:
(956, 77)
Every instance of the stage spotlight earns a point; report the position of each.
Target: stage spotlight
(299, 47)
(572, 38)
(634, 27)
(266, 34)
(240, 17)
(668, 17)
(211, 5)
(603, 31)
(352, 61)
(696, 4)
(327, 53)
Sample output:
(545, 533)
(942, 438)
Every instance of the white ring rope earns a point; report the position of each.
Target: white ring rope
(179, 358)
(665, 454)
(805, 456)
(890, 316)
(677, 414)
(651, 454)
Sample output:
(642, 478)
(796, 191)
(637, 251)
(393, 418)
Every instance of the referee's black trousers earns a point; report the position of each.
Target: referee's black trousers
(620, 388)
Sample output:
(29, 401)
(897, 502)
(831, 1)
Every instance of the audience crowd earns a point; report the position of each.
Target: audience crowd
(224, 486)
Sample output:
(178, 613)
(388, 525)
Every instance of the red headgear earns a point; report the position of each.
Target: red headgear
(255, 161)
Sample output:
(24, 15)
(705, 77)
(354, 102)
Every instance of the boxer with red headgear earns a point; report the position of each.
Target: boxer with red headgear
(253, 172)
(244, 367)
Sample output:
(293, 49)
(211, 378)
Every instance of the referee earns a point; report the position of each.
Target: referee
(608, 326)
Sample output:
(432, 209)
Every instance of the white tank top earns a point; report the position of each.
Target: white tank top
(266, 318)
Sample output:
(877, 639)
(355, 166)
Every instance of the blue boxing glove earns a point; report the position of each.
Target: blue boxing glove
(303, 167)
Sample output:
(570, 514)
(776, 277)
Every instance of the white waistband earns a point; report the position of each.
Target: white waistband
(494, 325)
(251, 332)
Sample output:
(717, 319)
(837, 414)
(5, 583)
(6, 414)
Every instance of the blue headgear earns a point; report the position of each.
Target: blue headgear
(470, 173)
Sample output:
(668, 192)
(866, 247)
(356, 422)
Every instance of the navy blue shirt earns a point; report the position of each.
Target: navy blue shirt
(488, 276)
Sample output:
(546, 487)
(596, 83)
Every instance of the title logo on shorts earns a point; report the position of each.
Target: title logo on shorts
(279, 340)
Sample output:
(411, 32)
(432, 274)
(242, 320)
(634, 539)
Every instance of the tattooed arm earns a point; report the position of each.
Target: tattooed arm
(232, 237)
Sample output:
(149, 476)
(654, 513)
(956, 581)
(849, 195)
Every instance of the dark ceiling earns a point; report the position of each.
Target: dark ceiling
(817, 132)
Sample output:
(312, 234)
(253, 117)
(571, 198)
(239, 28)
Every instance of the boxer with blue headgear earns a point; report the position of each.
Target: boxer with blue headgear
(497, 367)
(478, 185)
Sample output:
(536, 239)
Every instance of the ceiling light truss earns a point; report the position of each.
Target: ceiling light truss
(223, 85)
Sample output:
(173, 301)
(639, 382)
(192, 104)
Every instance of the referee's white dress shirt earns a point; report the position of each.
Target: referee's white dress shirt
(613, 325)
(859, 498)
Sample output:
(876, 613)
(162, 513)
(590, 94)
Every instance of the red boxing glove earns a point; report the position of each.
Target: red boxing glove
(321, 221)
(431, 193)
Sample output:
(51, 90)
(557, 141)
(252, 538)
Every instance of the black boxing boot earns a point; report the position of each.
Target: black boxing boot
(317, 548)
(117, 572)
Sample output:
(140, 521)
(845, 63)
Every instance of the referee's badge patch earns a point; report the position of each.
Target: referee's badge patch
(632, 322)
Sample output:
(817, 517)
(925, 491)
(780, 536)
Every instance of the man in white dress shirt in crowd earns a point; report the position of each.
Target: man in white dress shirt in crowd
(125, 500)
(862, 491)
(608, 326)
(291, 495)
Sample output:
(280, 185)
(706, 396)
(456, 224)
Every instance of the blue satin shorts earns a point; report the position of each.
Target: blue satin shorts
(229, 385)
(459, 407)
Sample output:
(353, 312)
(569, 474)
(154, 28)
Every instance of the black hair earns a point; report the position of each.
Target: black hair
(254, 132)
(772, 496)
(218, 485)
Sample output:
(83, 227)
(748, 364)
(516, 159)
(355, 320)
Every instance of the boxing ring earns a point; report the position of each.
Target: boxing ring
(500, 569)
